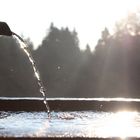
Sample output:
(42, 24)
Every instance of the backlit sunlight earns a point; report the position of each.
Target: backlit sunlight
(120, 124)
(88, 17)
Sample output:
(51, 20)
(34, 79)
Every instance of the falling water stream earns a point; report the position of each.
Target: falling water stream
(42, 90)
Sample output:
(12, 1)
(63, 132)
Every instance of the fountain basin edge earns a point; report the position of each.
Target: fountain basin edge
(69, 104)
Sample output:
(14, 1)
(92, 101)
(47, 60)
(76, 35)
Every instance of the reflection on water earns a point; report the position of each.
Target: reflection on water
(120, 124)
(70, 124)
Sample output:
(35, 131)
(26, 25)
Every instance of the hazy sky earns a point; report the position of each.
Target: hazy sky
(32, 18)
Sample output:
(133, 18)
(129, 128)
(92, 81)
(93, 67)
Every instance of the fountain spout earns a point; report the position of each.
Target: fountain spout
(4, 29)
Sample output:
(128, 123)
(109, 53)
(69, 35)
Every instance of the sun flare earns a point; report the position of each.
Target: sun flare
(121, 125)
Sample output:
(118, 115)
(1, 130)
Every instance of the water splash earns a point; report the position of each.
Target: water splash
(42, 90)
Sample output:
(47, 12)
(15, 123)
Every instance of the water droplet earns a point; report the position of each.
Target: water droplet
(58, 67)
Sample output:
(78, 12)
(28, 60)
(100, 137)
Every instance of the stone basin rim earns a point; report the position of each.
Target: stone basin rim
(69, 104)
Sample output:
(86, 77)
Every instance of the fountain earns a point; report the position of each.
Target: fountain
(5, 30)
(71, 118)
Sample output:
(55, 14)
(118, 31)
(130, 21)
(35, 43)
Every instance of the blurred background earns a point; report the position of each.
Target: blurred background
(82, 48)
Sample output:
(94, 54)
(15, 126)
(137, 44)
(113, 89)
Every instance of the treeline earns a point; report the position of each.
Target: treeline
(111, 70)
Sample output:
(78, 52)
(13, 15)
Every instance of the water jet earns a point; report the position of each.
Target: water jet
(5, 30)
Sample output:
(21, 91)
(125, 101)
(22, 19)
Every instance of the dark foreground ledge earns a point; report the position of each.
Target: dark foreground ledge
(69, 104)
(78, 138)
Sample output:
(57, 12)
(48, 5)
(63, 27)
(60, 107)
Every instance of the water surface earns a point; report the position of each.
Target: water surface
(70, 124)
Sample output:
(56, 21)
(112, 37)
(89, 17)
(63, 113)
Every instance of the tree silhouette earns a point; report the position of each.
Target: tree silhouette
(112, 70)
(118, 60)
(58, 59)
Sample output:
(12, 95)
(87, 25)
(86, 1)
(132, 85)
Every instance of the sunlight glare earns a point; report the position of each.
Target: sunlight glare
(42, 130)
(121, 124)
